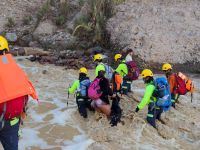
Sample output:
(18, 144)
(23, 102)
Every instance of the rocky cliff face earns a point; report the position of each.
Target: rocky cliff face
(159, 31)
(17, 9)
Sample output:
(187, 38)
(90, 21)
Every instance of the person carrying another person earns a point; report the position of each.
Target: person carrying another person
(154, 111)
(81, 87)
(15, 88)
(99, 91)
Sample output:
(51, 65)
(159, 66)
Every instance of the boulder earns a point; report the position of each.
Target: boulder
(44, 28)
(59, 41)
(33, 44)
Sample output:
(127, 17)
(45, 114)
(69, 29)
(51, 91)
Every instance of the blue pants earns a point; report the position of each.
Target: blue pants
(9, 136)
(154, 114)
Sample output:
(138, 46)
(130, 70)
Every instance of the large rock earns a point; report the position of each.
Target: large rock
(159, 31)
(44, 28)
(59, 41)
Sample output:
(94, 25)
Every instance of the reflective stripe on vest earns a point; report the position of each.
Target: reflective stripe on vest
(124, 87)
(2, 116)
(80, 100)
(150, 115)
(14, 121)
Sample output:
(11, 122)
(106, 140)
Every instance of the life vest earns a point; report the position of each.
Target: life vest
(13, 81)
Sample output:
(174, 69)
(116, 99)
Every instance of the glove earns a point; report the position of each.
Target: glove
(137, 109)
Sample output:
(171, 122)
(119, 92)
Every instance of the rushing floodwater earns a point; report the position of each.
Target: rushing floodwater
(51, 124)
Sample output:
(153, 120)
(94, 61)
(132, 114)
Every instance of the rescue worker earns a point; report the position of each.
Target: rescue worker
(102, 104)
(98, 58)
(154, 112)
(167, 68)
(123, 71)
(13, 97)
(81, 86)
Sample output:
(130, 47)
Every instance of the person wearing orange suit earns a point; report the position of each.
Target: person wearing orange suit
(14, 90)
(167, 68)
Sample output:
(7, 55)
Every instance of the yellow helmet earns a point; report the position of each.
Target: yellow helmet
(166, 67)
(147, 73)
(98, 57)
(3, 43)
(117, 56)
(83, 70)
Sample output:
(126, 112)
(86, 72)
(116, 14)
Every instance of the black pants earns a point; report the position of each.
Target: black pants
(174, 99)
(116, 111)
(9, 136)
(83, 104)
(153, 114)
(126, 86)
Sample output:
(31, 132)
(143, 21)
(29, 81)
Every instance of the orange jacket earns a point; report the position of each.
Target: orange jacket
(172, 82)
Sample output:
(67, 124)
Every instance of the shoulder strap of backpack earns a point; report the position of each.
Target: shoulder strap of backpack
(2, 116)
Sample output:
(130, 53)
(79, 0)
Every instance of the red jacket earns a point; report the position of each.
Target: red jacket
(14, 107)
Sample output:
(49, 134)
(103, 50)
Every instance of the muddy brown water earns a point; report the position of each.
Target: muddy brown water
(53, 125)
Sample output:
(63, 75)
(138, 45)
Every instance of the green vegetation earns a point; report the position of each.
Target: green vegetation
(118, 1)
(93, 25)
(10, 22)
(42, 11)
(64, 10)
(81, 2)
(26, 20)
(60, 20)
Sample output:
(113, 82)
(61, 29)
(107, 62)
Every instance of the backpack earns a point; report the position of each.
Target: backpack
(133, 71)
(162, 93)
(189, 83)
(181, 86)
(83, 89)
(94, 91)
(109, 72)
(13, 108)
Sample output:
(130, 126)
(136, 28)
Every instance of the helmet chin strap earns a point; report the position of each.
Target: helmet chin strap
(168, 73)
(147, 79)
